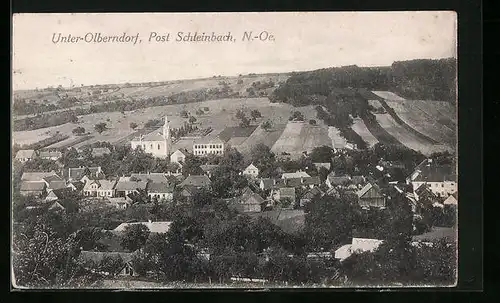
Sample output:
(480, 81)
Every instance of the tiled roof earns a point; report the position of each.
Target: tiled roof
(57, 184)
(154, 177)
(339, 180)
(130, 185)
(435, 173)
(251, 166)
(36, 176)
(51, 178)
(196, 180)
(160, 188)
(366, 188)
(25, 153)
(312, 193)
(297, 174)
(154, 227)
(208, 140)
(78, 172)
(293, 182)
(32, 186)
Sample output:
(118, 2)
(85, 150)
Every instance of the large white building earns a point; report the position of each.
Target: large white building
(157, 143)
(441, 179)
(206, 146)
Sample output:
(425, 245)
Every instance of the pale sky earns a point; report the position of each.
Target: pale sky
(303, 41)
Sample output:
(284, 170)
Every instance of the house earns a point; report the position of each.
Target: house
(302, 182)
(325, 165)
(161, 191)
(100, 151)
(248, 202)
(441, 179)
(99, 188)
(424, 193)
(151, 177)
(33, 188)
(76, 186)
(297, 174)
(371, 196)
(251, 171)
(78, 173)
(37, 176)
(196, 181)
(206, 146)
(284, 193)
(50, 155)
(332, 180)
(93, 258)
(57, 194)
(55, 184)
(309, 195)
(358, 245)
(120, 202)
(178, 156)
(189, 192)
(452, 200)
(208, 169)
(56, 206)
(125, 186)
(24, 155)
(154, 227)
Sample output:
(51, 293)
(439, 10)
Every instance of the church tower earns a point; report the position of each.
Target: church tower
(166, 136)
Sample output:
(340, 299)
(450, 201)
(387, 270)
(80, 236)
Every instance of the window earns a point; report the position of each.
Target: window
(158, 146)
(151, 146)
(442, 184)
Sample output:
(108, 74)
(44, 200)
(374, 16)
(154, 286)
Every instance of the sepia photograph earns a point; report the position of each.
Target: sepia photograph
(260, 150)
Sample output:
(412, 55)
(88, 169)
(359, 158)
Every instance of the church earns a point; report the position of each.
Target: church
(156, 143)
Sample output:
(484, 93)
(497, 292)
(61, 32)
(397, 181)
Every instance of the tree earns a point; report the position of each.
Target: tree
(192, 119)
(296, 116)
(267, 125)
(245, 122)
(322, 154)
(312, 122)
(133, 125)
(184, 114)
(192, 166)
(78, 131)
(264, 160)
(100, 127)
(135, 236)
(255, 114)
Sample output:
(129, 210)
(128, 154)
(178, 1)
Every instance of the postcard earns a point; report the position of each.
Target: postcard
(234, 150)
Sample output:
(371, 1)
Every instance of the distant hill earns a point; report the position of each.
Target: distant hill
(422, 79)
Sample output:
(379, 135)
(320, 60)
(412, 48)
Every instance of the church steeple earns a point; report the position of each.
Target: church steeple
(166, 129)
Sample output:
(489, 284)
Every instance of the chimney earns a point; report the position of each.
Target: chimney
(274, 181)
(302, 180)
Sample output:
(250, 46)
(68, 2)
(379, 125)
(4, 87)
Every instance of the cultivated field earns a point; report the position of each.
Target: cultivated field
(360, 128)
(336, 140)
(261, 136)
(407, 138)
(434, 119)
(314, 136)
(290, 140)
(388, 95)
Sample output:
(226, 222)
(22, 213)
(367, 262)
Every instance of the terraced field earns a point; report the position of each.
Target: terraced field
(360, 128)
(314, 136)
(337, 141)
(261, 136)
(290, 140)
(434, 119)
(406, 137)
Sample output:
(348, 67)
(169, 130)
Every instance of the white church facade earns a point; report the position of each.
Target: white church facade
(158, 144)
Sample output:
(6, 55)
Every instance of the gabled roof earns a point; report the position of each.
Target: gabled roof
(154, 177)
(251, 199)
(428, 171)
(179, 151)
(196, 180)
(154, 227)
(451, 200)
(160, 188)
(341, 180)
(297, 174)
(292, 182)
(326, 165)
(130, 185)
(51, 178)
(368, 187)
(312, 193)
(36, 176)
(189, 191)
(77, 184)
(32, 186)
(56, 184)
(251, 166)
(208, 140)
(77, 173)
(102, 184)
(25, 153)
